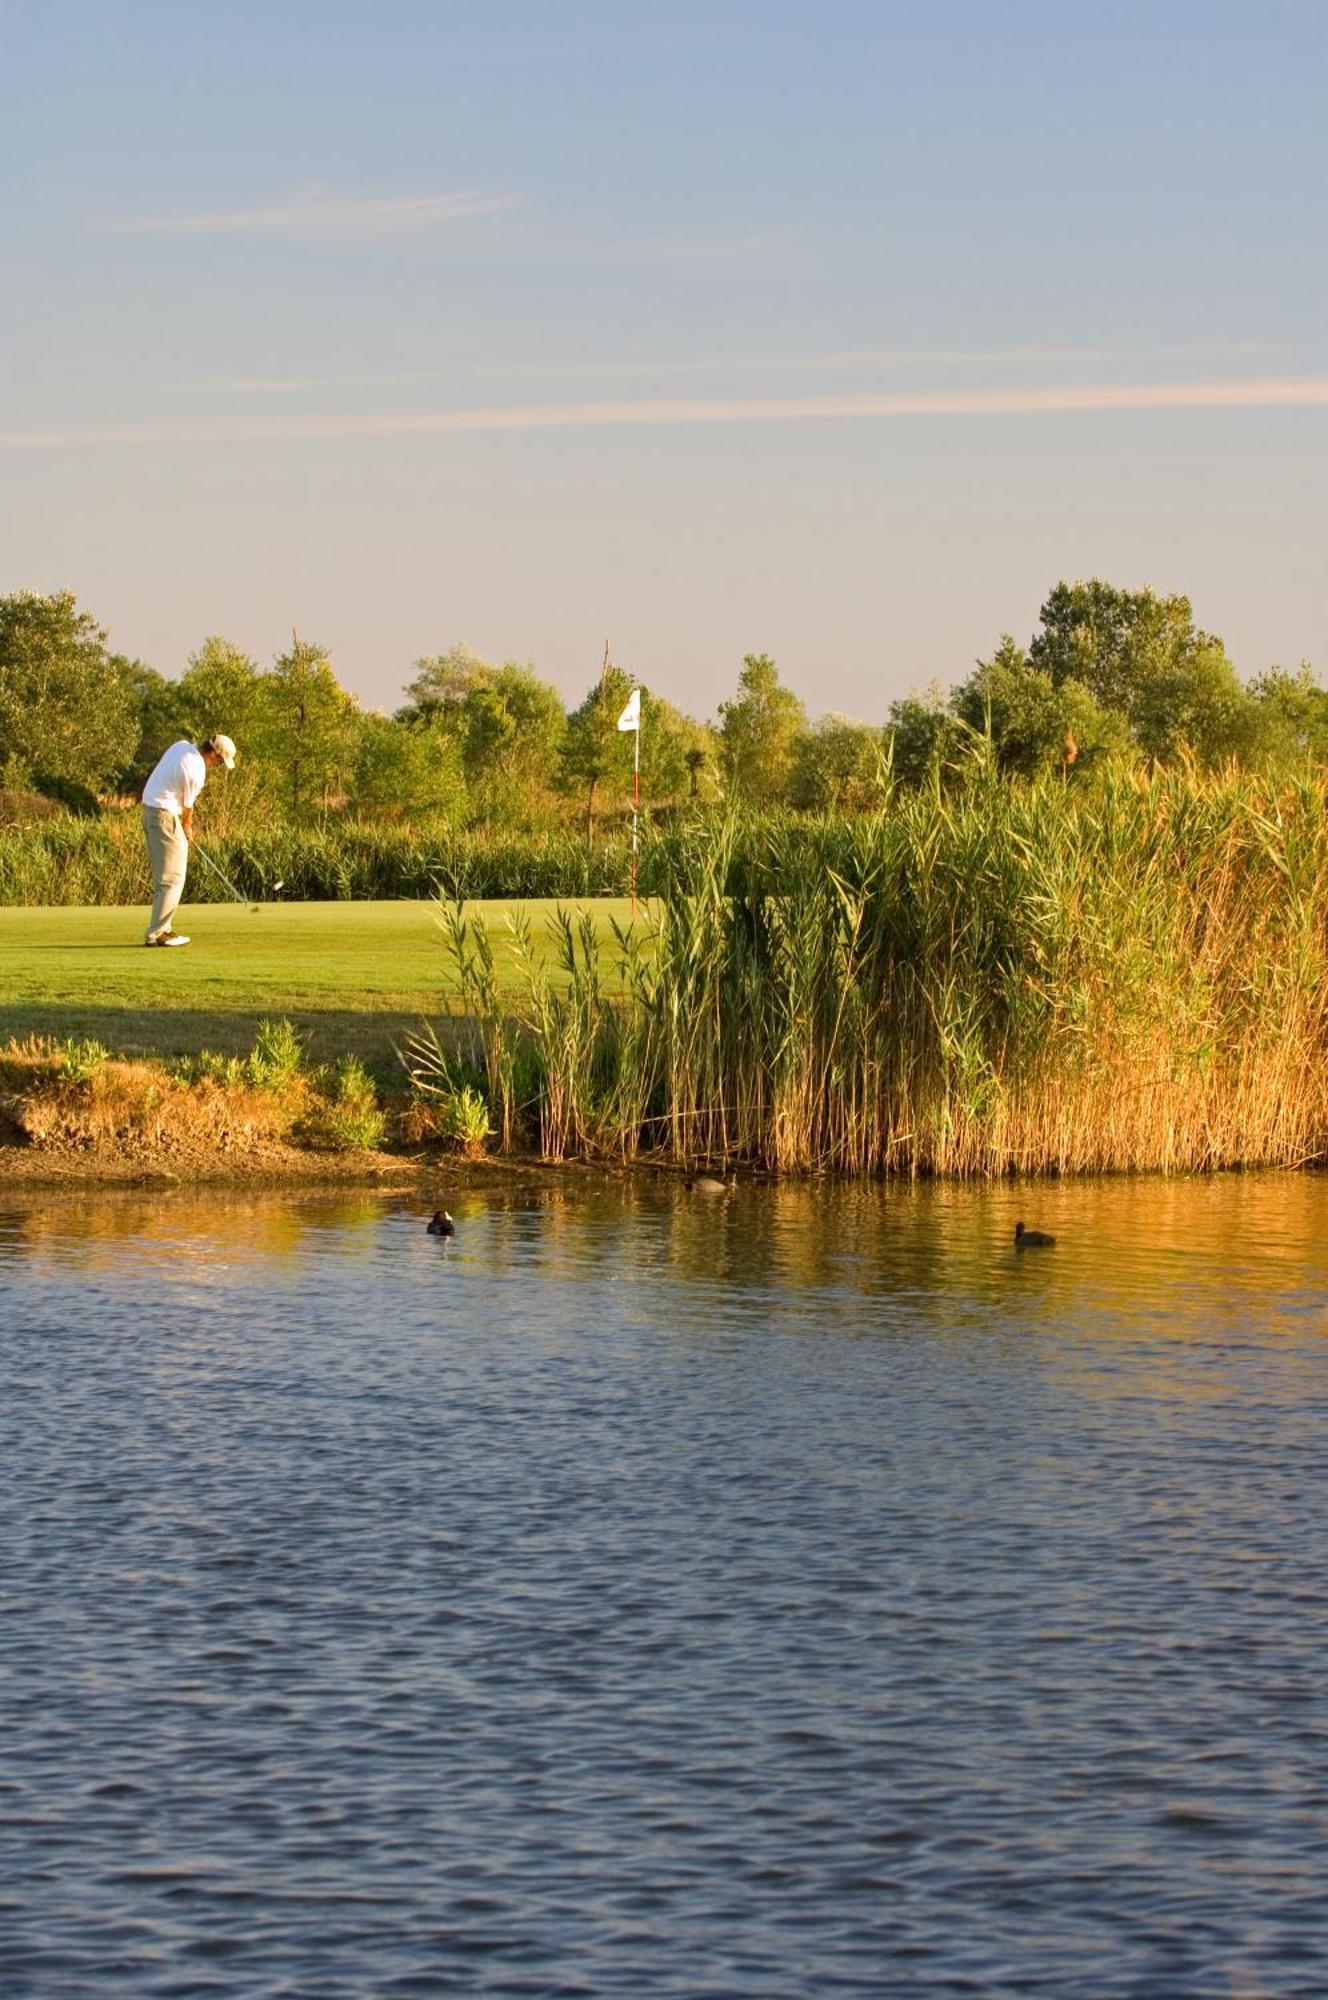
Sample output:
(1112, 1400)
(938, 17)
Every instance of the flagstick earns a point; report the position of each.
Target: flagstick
(631, 719)
(636, 802)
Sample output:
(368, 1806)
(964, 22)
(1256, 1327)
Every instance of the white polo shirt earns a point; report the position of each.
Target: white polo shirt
(177, 780)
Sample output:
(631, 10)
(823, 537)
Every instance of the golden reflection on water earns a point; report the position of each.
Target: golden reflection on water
(1175, 1260)
(216, 1232)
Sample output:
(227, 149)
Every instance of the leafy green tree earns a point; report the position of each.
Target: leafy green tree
(839, 766)
(222, 688)
(924, 741)
(309, 733)
(67, 711)
(403, 768)
(157, 714)
(1288, 716)
(441, 682)
(1035, 725)
(759, 729)
(1140, 656)
(676, 752)
(594, 750)
(512, 726)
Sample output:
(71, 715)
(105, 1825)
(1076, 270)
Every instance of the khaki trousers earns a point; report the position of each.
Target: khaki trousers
(168, 852)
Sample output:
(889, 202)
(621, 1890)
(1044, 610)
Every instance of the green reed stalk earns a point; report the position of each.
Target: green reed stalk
(64, 860)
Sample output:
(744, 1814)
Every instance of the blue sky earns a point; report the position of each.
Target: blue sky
(838, 332)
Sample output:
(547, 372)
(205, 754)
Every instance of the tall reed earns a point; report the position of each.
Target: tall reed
(1018, 978)
(66, 861)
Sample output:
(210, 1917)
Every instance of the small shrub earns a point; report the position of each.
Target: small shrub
(344, 1116)
(448, 1098)
(277, 1057)
(460, 1119)
(81, 1060)
(466, 1120)
(211, 1066)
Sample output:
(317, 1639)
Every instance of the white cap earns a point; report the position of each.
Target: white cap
(224, 748)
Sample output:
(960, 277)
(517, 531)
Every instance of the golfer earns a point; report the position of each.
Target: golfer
(168, 823)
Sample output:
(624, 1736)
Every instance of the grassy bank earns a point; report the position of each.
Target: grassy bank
(352, 977)
(78, 1097)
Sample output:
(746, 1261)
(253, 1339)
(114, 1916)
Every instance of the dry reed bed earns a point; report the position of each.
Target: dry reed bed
(1029, 979)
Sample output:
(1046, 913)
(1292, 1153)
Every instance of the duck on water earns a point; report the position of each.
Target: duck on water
(1031, 1239)
(442, 1224)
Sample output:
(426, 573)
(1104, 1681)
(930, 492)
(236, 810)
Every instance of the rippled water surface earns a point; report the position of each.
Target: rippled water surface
(790, 1593)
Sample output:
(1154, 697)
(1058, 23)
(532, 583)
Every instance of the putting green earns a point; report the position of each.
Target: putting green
(353, 976)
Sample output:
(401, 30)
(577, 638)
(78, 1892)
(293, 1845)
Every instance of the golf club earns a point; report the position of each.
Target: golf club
(203, 855)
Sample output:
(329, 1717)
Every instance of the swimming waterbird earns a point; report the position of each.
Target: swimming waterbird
(442, 1224)
(1031, 1239)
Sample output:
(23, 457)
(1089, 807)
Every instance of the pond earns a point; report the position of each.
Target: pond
(790, 1592)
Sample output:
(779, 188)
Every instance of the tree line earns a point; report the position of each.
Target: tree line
(1109, 674)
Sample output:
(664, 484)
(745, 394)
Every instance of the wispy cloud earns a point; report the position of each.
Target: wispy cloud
(866, 360)
(1311, 392)
(320, 210)
(983, 357)
(317, 211)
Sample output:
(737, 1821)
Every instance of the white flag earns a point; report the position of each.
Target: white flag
(631, 715)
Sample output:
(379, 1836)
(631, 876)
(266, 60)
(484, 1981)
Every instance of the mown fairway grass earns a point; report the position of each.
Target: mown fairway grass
(354, 977)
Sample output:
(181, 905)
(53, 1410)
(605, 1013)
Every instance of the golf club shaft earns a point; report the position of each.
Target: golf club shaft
(203, 855)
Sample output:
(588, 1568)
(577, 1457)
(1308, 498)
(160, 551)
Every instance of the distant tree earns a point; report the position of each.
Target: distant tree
(157, 714)
(838, 766)
(759, 729)
(1034, 724)
(511, 726)
(441, 682)
(594, 750)
(1140, 656)
(924, 741)
(676, 751)
(310, 729)
(1288, 716)
(404, 768)
(671, 745)
(67, 710)
(222, 688)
